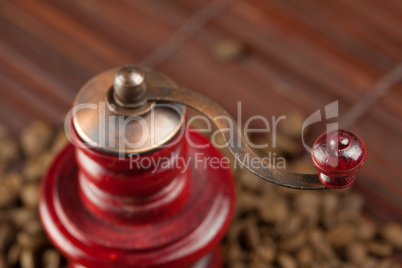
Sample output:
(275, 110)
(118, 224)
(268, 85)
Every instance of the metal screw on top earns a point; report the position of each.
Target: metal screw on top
(130, 87)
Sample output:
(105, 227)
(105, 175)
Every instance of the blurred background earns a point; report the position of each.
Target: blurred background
(276, 57)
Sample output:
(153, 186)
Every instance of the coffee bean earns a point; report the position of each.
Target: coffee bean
(9, 152)
(30, 194)
(307, 202)
(294, 241)
(352, 202)
(251, 182)
(7, 236)
(320, 244)
(257, 263)
(36, 167)
(35, 138)
(392, 233)
(19, 216)
(329, 202)
(249, 236)
(287, 146)
(14, 254)
(286, 261)
(33, 241)
(60, 141)
(10, 186)
(356, 252)
(33, 226)
(233, 251)
(380, 248)
(369, 262)
(273, 211)
(248, 202)
(365, 229)
(228, 50)
(388, 264)
(27, 259)
(266, 253)
(303, 165)
(304, 256)
(290, 225)
(3, 261)
(341, 234)
(292, 125)
(51, 259)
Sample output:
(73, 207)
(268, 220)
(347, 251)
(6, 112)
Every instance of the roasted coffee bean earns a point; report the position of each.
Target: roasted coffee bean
(286, 261)
(249, 236)
(266, 253)
(33, 241)
(341, 235)
(304, 256)
(387, 264)
(352, 202)
(303, 165)
(228, 50)
(35, 138)
(294, 242)
(27, 258)
(51, 259)
(233, 251)
(286, 146)
(329, 202)
(307, 204)
(365, 229)
(14, 254)
(380, 248)
(274, 211)
(36, 167)
(248, 202)
(356, 252)
(320, 244)
(32, 226)
(7, 236)
(251, 182)
(292, 125)
(9, 152)
(393, 233)
(30, 194)
(3, 261)
(290, 225)
(60, 141)
(10, 185)
(19, 216)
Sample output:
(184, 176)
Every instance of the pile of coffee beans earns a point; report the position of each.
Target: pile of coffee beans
(273, 227)
(280, 227)
(285, 228)
(23, 162)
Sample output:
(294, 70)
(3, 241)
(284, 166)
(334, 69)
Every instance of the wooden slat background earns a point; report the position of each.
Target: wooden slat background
(302, 55)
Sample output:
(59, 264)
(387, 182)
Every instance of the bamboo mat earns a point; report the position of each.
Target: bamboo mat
(302, 55)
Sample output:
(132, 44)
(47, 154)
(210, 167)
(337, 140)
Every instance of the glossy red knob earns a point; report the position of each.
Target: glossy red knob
(338, 155)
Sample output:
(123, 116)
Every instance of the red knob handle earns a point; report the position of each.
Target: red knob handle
(338, 155)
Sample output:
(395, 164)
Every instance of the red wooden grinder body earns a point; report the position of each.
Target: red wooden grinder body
(102, 209)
